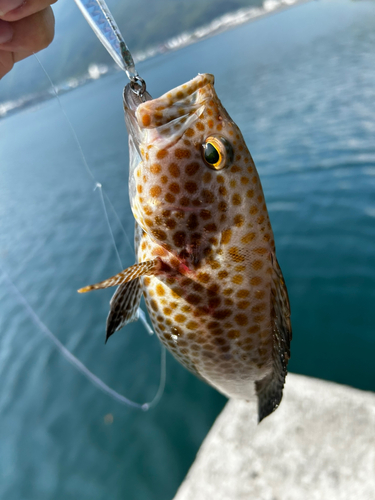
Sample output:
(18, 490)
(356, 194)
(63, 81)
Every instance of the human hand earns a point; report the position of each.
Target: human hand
(26, 26)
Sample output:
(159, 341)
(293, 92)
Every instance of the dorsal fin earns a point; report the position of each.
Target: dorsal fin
(129, 274)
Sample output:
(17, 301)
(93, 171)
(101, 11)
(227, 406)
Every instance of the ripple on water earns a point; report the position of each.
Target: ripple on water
(304, 99)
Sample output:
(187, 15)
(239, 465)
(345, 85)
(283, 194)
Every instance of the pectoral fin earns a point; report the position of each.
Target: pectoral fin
(270, 389)
(125, 301)
(129, 274)
(123, 306)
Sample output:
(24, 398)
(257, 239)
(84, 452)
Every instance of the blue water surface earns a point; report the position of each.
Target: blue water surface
(301, 86)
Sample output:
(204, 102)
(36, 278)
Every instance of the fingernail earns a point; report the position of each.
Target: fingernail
(6, 31)
(8, 5)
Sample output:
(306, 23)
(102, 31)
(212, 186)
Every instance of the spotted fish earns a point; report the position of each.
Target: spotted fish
(206, 255)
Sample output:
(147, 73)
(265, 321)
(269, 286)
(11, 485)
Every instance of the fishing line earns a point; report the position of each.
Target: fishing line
(141, 315)
(98, 185)
(79, 365)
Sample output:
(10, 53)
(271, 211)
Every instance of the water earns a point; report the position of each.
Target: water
(301, 86)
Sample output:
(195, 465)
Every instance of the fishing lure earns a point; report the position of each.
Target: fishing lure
(206, 255)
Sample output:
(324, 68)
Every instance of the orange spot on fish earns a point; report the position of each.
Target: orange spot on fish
(203, 277)
(237, 279)
(160, 290)
(180, 318)
(235, 255)
(241, 319)
(174, 170)
(236, 199)
(162, 153)
(155, 168)
(155, 191)
(255, 281)
(146, 120)
(181, 153)
(226, 236)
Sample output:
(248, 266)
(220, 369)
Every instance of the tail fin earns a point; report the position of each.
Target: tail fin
(270, 389)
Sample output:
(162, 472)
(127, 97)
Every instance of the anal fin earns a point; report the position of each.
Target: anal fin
(123, 306)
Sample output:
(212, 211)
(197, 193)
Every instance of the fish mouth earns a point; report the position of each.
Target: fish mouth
(168, 116)
(131, 101)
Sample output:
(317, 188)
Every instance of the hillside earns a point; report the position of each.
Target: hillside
(143, 26)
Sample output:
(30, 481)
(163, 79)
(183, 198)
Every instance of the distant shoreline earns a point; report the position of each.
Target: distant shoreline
(95, 71)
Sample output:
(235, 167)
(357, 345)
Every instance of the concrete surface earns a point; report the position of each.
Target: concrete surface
(318, 445)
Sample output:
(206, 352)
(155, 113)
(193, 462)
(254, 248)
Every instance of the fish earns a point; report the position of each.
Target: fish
(206, 262)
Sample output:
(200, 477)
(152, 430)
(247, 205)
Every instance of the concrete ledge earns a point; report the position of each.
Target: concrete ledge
(319, 445)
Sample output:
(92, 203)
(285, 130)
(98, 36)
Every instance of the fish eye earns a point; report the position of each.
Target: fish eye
(217, 152)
